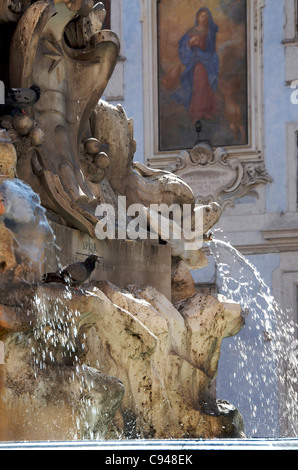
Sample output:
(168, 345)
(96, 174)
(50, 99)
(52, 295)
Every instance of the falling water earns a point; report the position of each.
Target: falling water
(26, 219)
(55, 331)
(260, 363)
(53, 345)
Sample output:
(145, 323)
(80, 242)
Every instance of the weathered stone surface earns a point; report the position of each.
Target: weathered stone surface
(56, 403)
(183, 285)
(163, 359)
(10, 10)
(172, 389)
(168, 385)
(7, 254)
(209, 319)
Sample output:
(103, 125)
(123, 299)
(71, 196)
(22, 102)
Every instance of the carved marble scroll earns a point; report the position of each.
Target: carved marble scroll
(213, 176)
(47, 51)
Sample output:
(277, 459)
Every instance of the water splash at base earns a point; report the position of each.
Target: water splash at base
(260, 364)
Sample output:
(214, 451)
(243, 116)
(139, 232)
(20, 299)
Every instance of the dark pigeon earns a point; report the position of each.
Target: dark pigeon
(18, 99)
(75, 274)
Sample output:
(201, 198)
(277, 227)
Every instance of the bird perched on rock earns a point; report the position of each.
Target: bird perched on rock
(75, 274)
(17, 99)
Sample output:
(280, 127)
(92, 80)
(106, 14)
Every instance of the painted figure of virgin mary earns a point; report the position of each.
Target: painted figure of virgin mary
(197, 52)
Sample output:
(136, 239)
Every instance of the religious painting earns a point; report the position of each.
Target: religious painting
(202, 73)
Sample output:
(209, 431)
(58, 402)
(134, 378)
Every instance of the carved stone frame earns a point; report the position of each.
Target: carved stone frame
(250, 154)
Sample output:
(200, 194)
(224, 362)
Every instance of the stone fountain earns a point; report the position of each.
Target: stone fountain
(134, 352)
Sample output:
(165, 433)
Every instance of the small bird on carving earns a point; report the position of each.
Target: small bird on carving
(75, 274)
(19, 99)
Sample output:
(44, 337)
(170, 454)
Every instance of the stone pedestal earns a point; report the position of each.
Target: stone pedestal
(122, 262)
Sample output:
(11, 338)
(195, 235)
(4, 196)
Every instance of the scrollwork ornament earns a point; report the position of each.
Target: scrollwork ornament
(256, 174)
(201, 154)
(214, 176)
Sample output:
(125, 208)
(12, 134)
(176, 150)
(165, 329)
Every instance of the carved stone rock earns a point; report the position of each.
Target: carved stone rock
(8, 157)
(8, 260)
(59, 368)
(183, 285)
(74, 143)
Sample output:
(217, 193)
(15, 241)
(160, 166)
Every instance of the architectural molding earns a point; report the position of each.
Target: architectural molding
(214, 176)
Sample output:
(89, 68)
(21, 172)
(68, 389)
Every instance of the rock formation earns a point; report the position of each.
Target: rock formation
(107, 362)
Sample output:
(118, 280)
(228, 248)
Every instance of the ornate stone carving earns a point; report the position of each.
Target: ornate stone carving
(62, 49)
(213, 176)
(46, 50)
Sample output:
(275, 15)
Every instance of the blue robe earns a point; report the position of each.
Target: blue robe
(190, 56)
